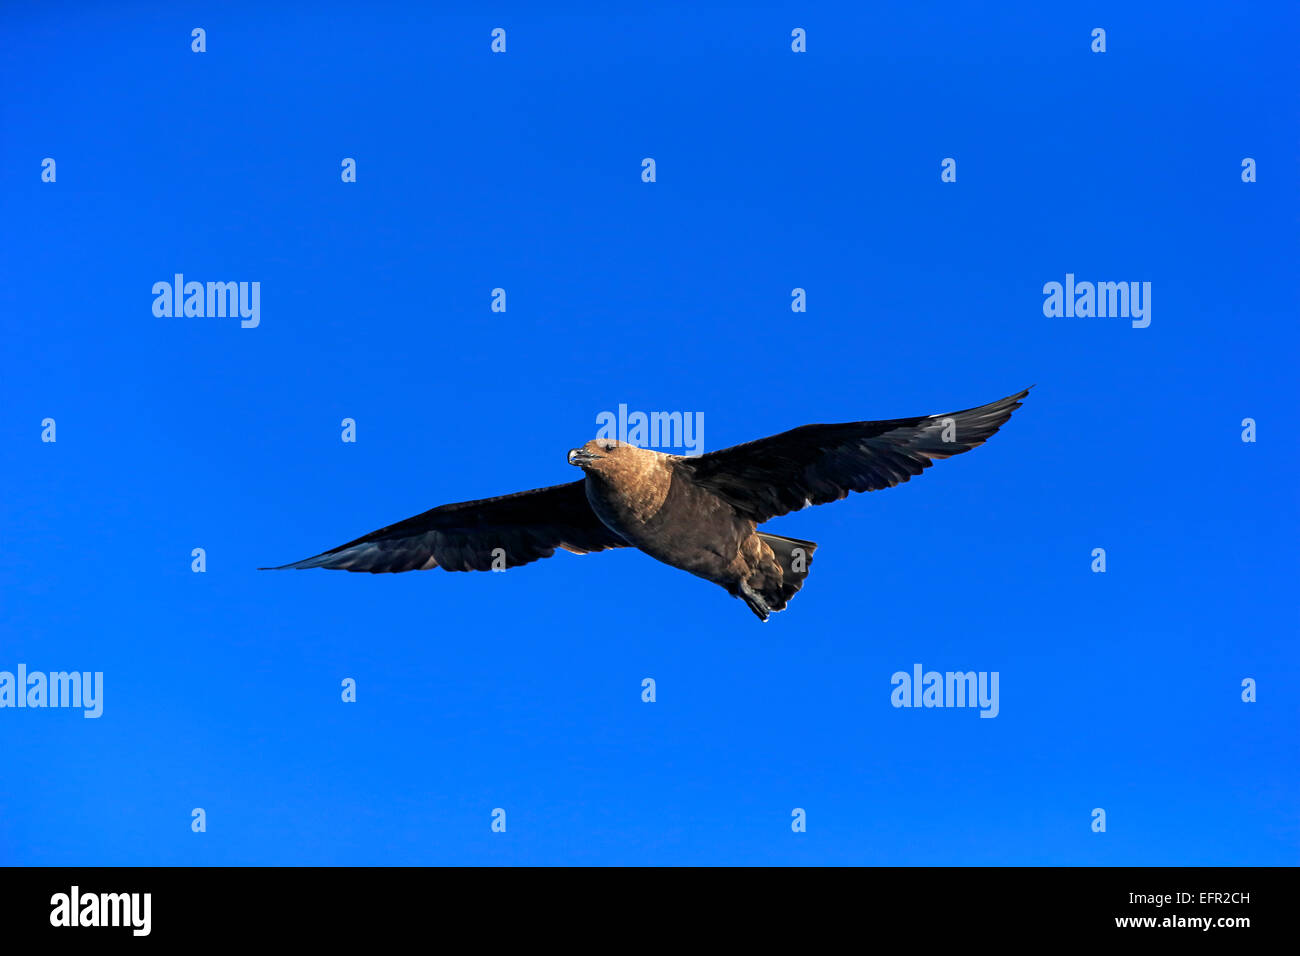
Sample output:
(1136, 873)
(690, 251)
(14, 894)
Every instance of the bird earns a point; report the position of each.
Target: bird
(698, 513)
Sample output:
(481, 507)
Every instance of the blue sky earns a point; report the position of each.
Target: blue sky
(775, 170)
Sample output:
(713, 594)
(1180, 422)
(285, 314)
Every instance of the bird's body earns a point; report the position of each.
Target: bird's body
(649, 500)
(700, 514)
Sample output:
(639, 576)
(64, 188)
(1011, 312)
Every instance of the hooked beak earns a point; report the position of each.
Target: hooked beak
(582, 458)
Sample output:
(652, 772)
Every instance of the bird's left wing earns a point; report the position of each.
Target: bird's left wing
(815, 464)
(466, 536)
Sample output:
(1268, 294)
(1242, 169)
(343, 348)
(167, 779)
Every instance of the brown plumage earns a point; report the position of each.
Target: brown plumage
(699, 514)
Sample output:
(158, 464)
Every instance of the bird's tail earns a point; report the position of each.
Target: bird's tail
(795, 558)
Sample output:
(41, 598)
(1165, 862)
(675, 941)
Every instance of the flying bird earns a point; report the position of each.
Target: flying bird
(700, 514)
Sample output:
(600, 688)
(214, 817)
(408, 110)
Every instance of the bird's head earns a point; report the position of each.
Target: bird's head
(606, 454)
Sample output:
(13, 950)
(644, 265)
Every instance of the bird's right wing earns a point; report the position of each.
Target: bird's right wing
(465, 536)
(815, 464)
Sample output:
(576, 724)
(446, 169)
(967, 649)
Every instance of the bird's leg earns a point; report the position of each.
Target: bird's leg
(755, 602)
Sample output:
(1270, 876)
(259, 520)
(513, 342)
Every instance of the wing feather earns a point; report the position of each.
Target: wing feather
(816, 464)
(526, 526)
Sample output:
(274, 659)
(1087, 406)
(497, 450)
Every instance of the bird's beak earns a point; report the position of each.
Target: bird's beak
(581, 458)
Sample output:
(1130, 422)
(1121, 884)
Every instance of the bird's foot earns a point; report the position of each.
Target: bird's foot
(755, 602)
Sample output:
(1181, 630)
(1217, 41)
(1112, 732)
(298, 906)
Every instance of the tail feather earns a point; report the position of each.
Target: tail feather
(794, 555)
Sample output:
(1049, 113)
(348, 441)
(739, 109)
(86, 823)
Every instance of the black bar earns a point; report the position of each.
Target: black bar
(337, 905)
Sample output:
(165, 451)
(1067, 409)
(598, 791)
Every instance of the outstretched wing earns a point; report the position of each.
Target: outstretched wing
(815, 464)
(465, 536)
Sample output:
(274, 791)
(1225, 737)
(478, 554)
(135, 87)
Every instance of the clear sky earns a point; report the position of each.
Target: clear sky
(522, 171)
